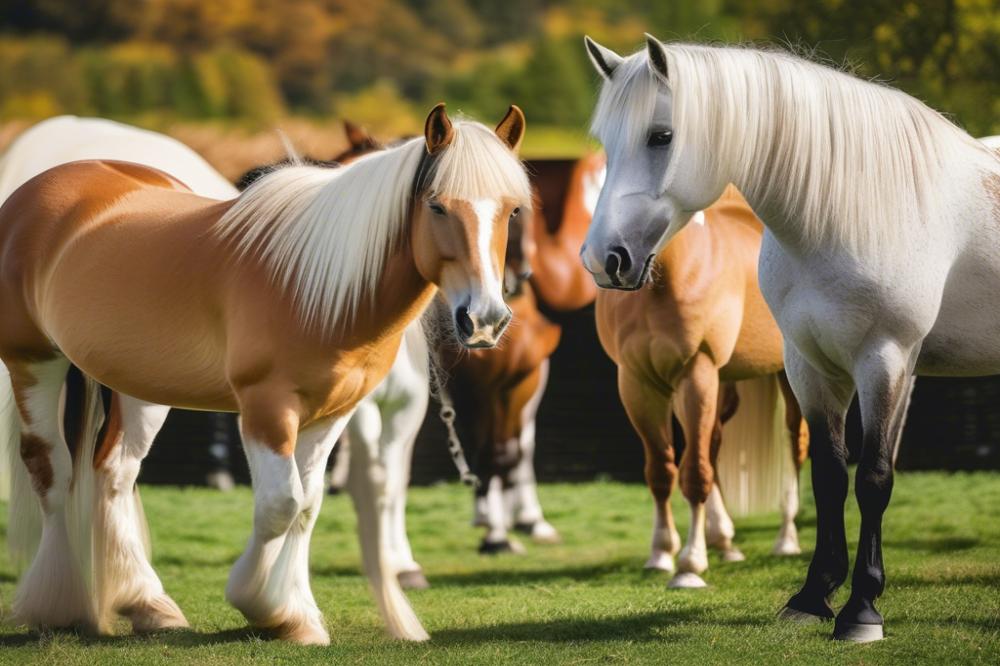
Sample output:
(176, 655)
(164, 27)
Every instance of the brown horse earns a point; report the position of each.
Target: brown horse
(286, 304)
(702, 324)
(497, 393)
(565, 194)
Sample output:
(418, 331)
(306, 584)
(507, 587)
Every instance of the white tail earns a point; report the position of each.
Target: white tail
(755, 457)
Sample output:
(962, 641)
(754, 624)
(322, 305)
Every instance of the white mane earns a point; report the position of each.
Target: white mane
(325, 234)
(850, 162)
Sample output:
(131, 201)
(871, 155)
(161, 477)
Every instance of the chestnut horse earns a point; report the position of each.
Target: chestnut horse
(702, 324)
(566, 192)
(265, 305)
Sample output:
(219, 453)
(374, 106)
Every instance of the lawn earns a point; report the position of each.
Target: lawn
(586, 600)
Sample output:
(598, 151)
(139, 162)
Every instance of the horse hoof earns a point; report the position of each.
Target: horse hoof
(413, 580)
(800, 617)
(540, 532)
(733, 555)
(660, 562)
(786, 547)
(499, 547)
(858, 633)
(686, 581)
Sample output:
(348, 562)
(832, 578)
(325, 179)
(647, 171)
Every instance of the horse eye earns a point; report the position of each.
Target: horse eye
(514, 213)
(659, 139)
(435, 207)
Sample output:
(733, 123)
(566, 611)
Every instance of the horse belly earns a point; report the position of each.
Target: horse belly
(136, 336)
(965, 338)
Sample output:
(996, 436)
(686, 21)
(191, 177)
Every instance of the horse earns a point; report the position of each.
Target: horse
(502, 386)
(879, 260)
(565, 194)
(496, 396)
(263, 305)
(679, 345)
(376, 448)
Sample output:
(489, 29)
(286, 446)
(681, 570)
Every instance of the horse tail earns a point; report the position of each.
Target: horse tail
(754, 458)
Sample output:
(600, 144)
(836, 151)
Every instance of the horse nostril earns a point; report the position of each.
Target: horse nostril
(464, 322)
(503, 322)
(624, 260)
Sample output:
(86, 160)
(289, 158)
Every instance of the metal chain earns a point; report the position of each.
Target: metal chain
(447, 414)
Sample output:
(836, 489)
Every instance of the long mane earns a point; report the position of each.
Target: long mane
(325, 234)
(849, 161)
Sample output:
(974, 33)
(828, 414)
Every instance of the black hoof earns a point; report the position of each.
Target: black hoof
(802, 608)
(524, 528)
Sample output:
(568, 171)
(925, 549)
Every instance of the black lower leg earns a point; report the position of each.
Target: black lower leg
(828, 568)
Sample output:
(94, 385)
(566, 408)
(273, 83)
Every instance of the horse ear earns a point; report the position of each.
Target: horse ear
(605, 60)
(511, 128)
(357, 136)
(438, 130)
(657, 55)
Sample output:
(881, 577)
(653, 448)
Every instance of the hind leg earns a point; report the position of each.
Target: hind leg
(719, 528)
(522, 505)
(788, 537)
(125, 580)
(53, 591)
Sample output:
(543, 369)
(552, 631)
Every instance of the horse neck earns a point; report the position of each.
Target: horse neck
(401, 297)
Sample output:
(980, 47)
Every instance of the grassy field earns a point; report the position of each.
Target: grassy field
(584, 601)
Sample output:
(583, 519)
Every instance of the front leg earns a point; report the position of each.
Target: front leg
(885, 380)
(824, 402)
(270, 582)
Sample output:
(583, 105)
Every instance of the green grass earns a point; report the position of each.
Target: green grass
(584, 601)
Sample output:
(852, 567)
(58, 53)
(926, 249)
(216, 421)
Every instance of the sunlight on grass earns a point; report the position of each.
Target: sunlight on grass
(582, 601)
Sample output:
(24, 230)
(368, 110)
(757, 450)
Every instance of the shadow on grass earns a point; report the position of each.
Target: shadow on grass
(939, 545)
(638, 627)
(585, 573)
(174, 638)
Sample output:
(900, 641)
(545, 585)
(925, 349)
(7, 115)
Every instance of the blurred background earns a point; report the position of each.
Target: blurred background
(216, 73)
(221, 75)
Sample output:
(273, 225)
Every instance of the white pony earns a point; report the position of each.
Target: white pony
(122, 568)
(881, 258)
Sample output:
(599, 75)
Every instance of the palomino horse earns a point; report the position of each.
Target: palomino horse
(703, 322)
(264, 305)
(566, 192)
(879, 261)
(503, 386)
(374, 458)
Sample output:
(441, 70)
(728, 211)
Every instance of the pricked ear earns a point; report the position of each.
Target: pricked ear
(511, 128)
(438, 130)
(657, 55)
(605, 60)
(357, 135)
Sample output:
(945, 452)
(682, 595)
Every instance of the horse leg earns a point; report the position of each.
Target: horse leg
(649, 411)
(788, 537)
(696, 409)
(53, 591)
(269, 582)
(125, 581)
(824, 403)
(885, 380)
(719, 528)
(399, 429)
(367, 483)
(524, 508)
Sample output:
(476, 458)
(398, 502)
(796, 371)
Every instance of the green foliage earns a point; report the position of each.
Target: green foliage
(253, 59)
